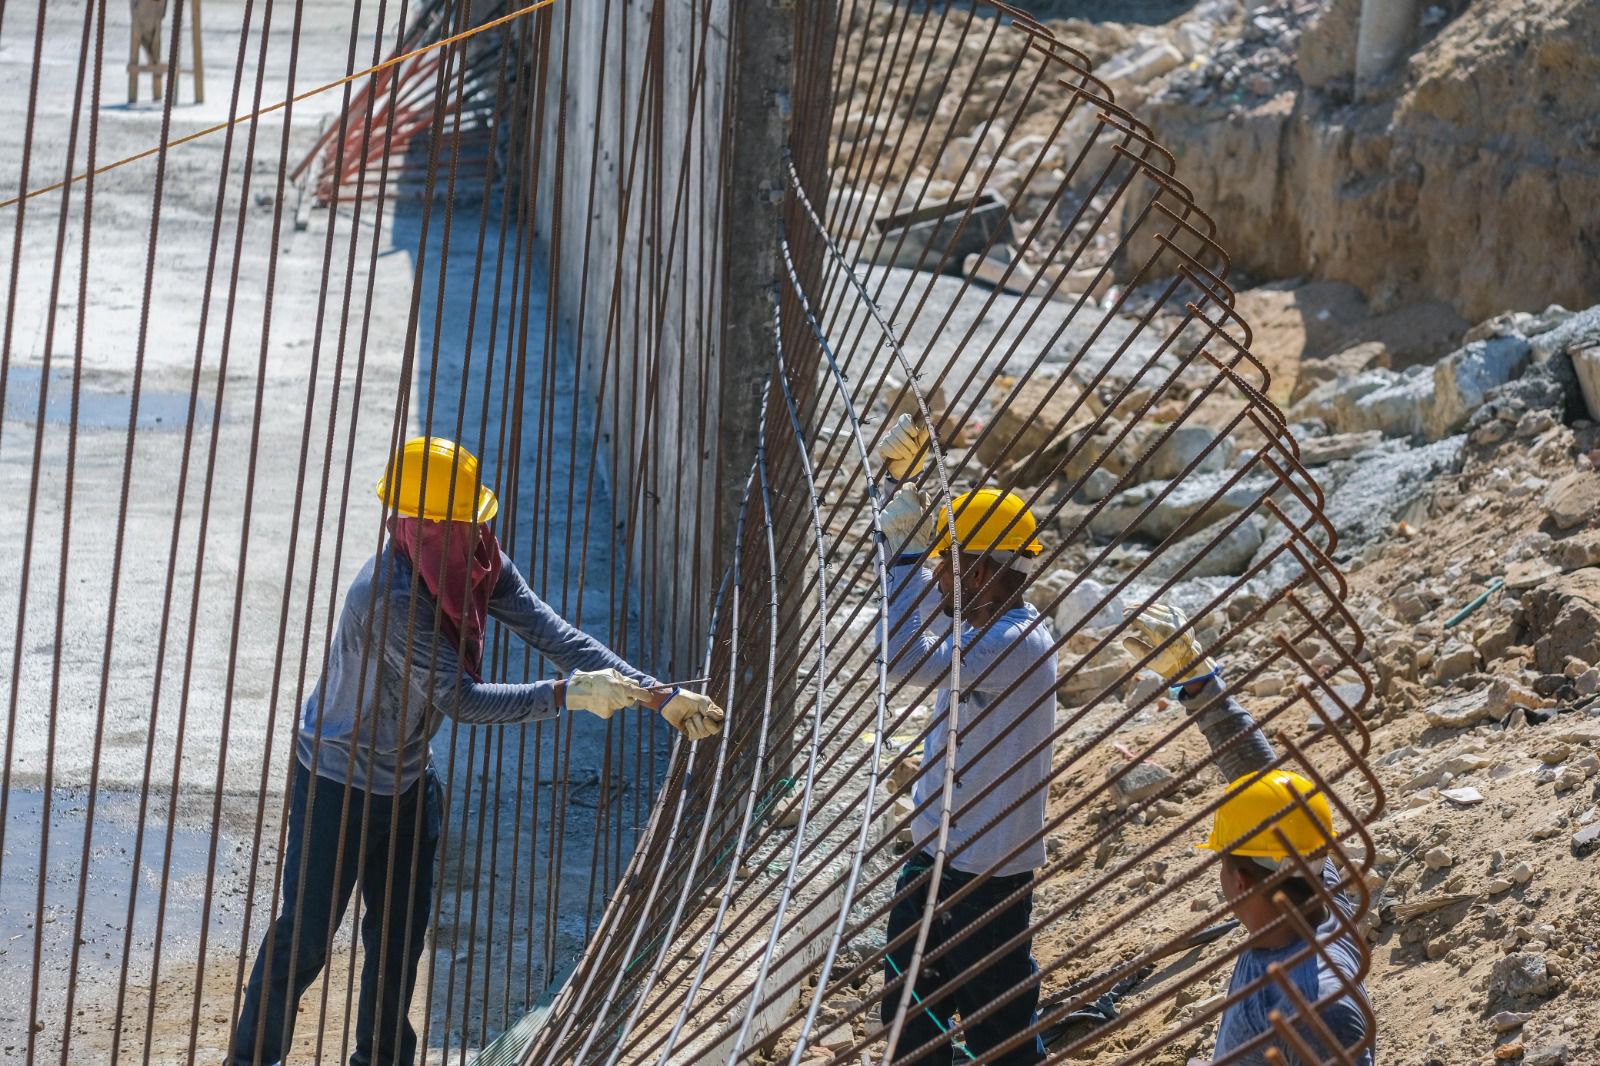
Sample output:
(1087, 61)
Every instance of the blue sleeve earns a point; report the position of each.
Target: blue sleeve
(515, 606)
(436, 678)
(920, 652)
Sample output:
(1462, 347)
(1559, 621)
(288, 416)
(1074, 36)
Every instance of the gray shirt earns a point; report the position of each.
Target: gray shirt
(377, 712)
(989, 783)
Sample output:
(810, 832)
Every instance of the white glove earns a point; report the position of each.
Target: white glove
(904, 449)
(1181, 661)
(904, 528)
(602, 692)
(692, 714)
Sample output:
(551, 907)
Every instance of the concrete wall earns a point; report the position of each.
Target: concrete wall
(630, 204)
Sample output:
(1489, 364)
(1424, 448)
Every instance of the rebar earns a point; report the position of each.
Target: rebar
(1072, 338)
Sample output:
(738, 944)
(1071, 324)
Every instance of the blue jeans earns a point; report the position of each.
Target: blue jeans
(392, 947)
(973, 988)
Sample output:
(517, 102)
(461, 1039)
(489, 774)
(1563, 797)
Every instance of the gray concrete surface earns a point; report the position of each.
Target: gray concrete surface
(182, 729)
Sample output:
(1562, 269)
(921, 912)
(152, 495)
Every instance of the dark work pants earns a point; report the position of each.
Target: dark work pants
(974, 988)
(384, 1036)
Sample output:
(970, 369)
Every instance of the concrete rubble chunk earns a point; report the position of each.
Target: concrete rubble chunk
(1083, 681)
(1126, 71)
(1382, 400)
(1368, 355)
(1143, 780)
(1317, 451)
(1228, 558)
(1586, 364)
(1465, 796)
(1459, 712)
(1586, 838)
(1454, 660)
(1462, 380)
(1507, 1020)
(1438, 859)
(1519, 977)
(1190, 497)
(1026, 421)
(1577, 551)
(1549, 1055)
(1573, 499)
(1185, 445)
(1416, 403)
(1576, 331)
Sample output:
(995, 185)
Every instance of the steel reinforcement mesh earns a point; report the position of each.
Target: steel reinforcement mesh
(973, 233)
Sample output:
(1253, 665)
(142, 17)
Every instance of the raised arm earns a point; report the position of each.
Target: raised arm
(1163, 634)
(1237, 743)
(919, 653)
(516, 607)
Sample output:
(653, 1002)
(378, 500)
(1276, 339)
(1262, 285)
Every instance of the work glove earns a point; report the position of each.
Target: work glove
(904, 528)
(904, 449)
(602, 692)
(692, 714)
(1179, 662)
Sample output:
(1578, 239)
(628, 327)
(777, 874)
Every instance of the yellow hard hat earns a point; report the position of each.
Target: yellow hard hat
(1258, 803)
(984, 522)
(402, 489)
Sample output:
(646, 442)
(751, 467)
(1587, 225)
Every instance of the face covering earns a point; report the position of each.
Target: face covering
(459, 563)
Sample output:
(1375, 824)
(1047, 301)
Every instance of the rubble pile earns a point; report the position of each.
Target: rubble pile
(1467, 516)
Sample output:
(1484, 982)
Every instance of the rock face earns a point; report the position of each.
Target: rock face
(1470, 184)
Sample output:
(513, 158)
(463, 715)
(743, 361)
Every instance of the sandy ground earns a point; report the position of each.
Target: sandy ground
(203, 710)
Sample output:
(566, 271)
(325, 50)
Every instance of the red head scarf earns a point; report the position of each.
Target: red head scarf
(460, 563)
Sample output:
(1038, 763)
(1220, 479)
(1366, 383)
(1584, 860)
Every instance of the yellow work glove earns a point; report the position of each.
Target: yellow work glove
(1179, 662)
(904, 528)
(904, 449)
(602, 692)
(692, 714)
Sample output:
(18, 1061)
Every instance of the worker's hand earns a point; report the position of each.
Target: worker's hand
(904, 527)
(603, 692)
(1181, 661)
(693, 715)
(904, 449)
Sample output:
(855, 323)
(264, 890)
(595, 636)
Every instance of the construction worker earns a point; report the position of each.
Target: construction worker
(1259, 798)
(366, 799)
(1008, 673)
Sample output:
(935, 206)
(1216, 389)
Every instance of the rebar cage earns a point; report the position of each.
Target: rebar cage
(971, 232)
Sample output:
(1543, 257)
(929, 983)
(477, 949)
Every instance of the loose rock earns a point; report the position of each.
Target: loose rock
(1521, 976)
(1507, 1020)
(1572, 499)
(1550, 1055)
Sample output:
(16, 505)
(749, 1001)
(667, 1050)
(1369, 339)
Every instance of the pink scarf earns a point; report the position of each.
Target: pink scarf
(460, 563)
